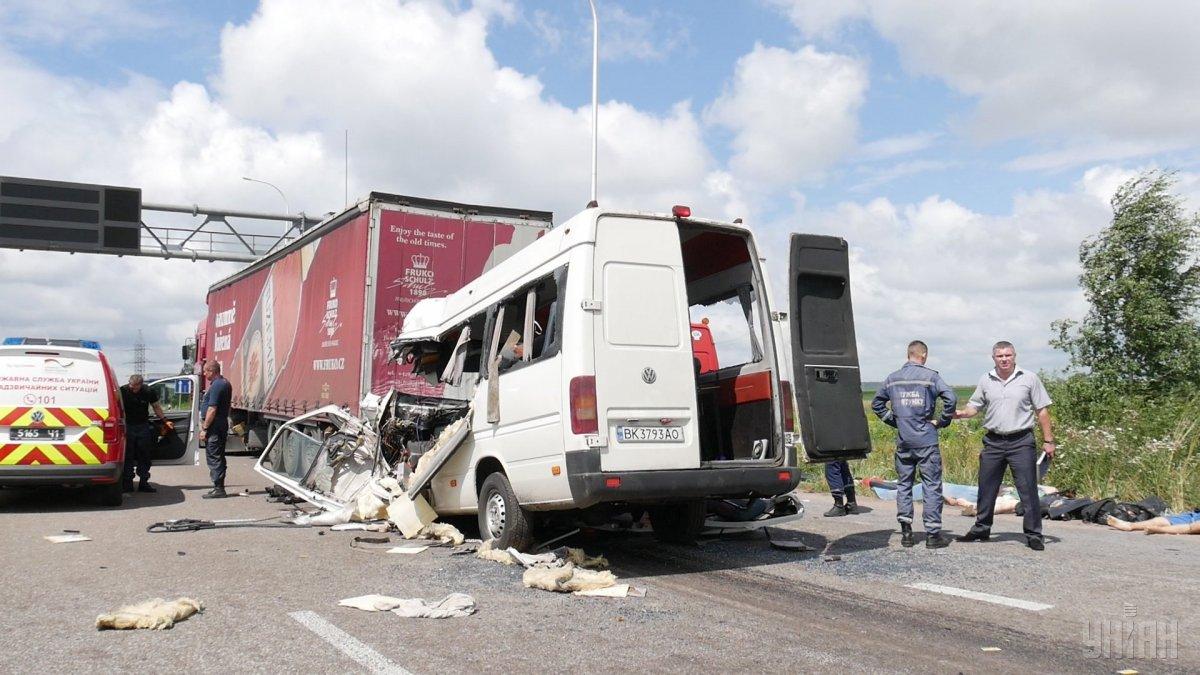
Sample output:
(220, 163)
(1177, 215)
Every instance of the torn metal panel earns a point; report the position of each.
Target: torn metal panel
(325, 457)
(450, 440)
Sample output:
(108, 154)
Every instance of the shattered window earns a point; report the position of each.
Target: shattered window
(529, 328)
(293, 454)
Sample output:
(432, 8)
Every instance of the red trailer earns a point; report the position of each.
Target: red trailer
(309, 325)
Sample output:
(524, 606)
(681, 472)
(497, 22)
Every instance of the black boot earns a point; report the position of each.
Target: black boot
(906, 535)
(936, 540)
(127, 487)
(145, 486)
(215, 493)
(851, 502)
(838, 509)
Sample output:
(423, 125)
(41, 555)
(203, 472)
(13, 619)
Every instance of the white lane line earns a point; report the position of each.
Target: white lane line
(348, 644)
(983, 597)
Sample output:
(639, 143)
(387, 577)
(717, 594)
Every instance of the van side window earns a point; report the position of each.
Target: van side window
(529, 329)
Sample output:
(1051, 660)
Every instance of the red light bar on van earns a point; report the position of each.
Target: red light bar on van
(583, 405)
(681, 211)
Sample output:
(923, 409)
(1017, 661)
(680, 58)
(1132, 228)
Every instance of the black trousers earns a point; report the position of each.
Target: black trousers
(1018, 452)
(214, 454)
(139, 448)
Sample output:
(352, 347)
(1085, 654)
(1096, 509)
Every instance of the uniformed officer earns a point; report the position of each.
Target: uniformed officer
(1009, 398)
(912, 392)
(140, 436)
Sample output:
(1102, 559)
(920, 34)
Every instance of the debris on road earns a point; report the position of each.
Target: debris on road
(486, 552)
(617, 591)
(361, 527)
(66, 538)
(567, 579)
(454, 605)
(156, 614)
(408, 550)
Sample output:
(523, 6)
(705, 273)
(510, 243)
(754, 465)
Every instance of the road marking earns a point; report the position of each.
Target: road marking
(983, 597)
(348, 644)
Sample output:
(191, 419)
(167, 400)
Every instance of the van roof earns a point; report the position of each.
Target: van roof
(37, 350)
(431, 317)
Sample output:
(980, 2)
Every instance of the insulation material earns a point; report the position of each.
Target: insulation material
(452, 606)
(581, 559)
(408, 550)
(486, 552)
(445, 533)
(410, 516)
(362, 527)
(567, 579)
(156, 614)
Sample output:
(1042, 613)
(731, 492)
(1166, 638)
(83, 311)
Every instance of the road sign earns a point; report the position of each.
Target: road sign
(58, 216)
(183, 387)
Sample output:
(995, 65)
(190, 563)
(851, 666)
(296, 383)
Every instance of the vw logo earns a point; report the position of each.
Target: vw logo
(649, 376)
(37, 417)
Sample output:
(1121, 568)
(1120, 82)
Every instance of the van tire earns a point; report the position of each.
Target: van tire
(678, 523)
(501, 517)
(110, 495)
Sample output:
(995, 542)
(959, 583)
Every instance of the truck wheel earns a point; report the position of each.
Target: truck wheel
(678, 523)
(501, 517)
(110, 495)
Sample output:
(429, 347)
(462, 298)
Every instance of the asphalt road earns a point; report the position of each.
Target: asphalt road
(731, 604)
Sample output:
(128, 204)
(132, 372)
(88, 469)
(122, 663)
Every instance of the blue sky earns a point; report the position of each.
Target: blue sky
(964, 149)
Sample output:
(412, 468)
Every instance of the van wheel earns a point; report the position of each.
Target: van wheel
(678, 523)
(110, 495)
(501, 517)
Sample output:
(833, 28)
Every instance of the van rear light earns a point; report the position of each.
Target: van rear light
(681, 211)
(613, 482)
(789, 406)
(785, 476)
(112, 430)
(583, 405)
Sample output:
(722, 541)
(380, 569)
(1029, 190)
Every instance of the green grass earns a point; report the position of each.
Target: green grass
(1130, 460)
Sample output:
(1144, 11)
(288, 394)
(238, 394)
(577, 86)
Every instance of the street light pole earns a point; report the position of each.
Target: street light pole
(287, 209)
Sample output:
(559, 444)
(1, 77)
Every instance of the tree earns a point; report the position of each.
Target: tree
(1142, 280)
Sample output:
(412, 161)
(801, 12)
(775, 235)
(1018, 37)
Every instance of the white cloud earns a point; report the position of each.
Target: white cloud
(894, 146)
(1121, 72)
(430, 113)
(73, 23)
(960, 279)
(792, 113)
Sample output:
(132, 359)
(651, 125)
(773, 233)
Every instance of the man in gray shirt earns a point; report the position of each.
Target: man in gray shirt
(1010, 399)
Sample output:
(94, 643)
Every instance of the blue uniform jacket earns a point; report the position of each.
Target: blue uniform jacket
(912, 391)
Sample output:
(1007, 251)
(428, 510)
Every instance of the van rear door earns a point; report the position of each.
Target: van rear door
(179, 398)
(833, 423)
(645, 385)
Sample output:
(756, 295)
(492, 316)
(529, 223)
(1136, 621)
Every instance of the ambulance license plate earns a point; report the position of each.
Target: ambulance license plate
(39, 434)
(650, 434)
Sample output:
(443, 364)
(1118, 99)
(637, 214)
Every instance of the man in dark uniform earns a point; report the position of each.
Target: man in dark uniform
(1010, 399)
(140, 435)
(911, 393)
(214, 426)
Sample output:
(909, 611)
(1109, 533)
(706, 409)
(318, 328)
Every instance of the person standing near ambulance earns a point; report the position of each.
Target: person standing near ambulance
(911, 393)
(214, 426)
(140, 436)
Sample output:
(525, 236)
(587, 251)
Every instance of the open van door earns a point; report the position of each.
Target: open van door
(179, 398)
(833, 423)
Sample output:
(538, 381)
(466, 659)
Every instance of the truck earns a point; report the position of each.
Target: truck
(308, 325)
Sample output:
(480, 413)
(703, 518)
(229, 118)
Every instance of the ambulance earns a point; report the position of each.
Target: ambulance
(61, 421)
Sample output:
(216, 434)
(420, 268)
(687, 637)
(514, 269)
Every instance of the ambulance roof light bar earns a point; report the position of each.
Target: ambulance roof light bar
(52, 342)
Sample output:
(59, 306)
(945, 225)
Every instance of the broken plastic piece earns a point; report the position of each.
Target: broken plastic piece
(66, 538)
(410, 516)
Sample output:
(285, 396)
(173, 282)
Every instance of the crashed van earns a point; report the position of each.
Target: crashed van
(569, 384)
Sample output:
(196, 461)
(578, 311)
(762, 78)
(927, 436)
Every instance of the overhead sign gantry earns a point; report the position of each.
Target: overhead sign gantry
(88, 218)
